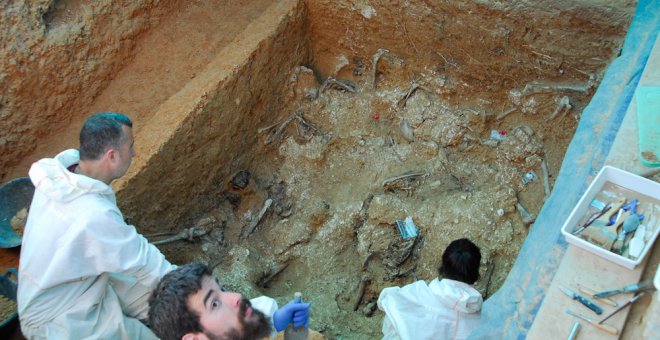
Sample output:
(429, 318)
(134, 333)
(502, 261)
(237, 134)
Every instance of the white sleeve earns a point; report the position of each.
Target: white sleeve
(110, 245)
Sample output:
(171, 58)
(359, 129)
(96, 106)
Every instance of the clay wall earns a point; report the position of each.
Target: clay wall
(55, 57)
(207, 131)
(58, 55)
(485, 48)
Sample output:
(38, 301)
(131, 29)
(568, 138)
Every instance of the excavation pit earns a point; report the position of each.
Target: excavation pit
(295, 134)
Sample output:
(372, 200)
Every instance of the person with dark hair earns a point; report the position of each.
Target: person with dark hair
(443, 309)
(460, 261)
(84, 272)
(190, 304)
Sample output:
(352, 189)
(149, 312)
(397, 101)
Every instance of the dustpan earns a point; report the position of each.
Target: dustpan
(14, 196)
(8, 289)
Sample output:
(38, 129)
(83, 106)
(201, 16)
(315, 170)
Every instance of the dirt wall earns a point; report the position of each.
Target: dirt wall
(474, 44)
(203, 134)
(55, 57)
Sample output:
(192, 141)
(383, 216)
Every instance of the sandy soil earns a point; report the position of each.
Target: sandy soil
(333, 172)
(332, 221)
(165, 59)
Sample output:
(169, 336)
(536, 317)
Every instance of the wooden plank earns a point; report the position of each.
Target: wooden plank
(582, 268)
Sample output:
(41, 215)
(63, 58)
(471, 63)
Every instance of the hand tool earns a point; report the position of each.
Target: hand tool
(583, 300)
(593, 218)
(630, 224)
(610, 233)
(633, 299)
(574, 331)
(600, 232)
(633, 288)
(606, 328)
(591, 292)
(604, 220)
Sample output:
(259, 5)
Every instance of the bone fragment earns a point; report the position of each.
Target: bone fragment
(413, 87)
(406, 130)
(363, 286)
(276, 130)
(563, 106)
(342, 85)
(526, 216)
(253, 225)
(532, 88)
(374, 63)
(389, 181)
(546, 178)
(505, 113)
(185, 234)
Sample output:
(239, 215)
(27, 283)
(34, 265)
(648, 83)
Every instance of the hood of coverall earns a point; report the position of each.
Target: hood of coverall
(51, 177)
(458, 294)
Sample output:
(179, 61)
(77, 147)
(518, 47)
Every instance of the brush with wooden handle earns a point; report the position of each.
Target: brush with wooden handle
(591, 292)
(629, 226)
(602, 235)
(605, 328)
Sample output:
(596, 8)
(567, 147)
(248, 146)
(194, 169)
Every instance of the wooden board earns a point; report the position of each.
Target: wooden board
(582, 268)
(579, 267)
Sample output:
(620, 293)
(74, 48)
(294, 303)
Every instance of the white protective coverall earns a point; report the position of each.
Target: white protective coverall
(268, 306)
(446, 309)
(84, 273)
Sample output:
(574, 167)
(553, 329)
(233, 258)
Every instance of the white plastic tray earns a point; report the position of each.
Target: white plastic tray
(624, 179)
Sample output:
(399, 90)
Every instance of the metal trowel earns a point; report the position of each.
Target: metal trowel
(633, 288)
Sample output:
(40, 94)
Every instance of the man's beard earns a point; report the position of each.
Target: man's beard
(257, 327)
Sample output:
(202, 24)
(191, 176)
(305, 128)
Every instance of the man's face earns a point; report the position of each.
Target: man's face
(125, 152)
(226, 315)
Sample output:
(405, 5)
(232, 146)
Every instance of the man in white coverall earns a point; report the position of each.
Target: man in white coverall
(444, 309)
(190, 304)
(84, 273)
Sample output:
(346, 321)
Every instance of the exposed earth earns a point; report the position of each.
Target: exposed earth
(464, 147)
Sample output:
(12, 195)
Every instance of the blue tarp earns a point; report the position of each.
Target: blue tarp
(509, 313)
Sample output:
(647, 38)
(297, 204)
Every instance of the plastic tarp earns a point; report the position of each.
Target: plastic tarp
(509, 313)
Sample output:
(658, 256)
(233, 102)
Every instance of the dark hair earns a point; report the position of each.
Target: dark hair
(101, 131)
(461, 261)
(169, 315)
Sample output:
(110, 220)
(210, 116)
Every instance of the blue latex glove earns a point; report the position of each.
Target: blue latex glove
(630, 206)
(293, 312)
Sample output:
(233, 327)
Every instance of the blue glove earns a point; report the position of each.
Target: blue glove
(296, 312)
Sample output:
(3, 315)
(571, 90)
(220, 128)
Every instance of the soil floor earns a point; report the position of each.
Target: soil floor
(339, 170)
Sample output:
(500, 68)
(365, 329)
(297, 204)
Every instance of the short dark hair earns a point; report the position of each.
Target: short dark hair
(461, 261)
(101, 131)
(169, 314)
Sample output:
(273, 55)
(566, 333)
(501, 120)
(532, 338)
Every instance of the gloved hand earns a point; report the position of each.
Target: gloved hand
(296, 312)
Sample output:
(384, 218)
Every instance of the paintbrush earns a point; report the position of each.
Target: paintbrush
(629, 302)
(593, 218)
(606, 328)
